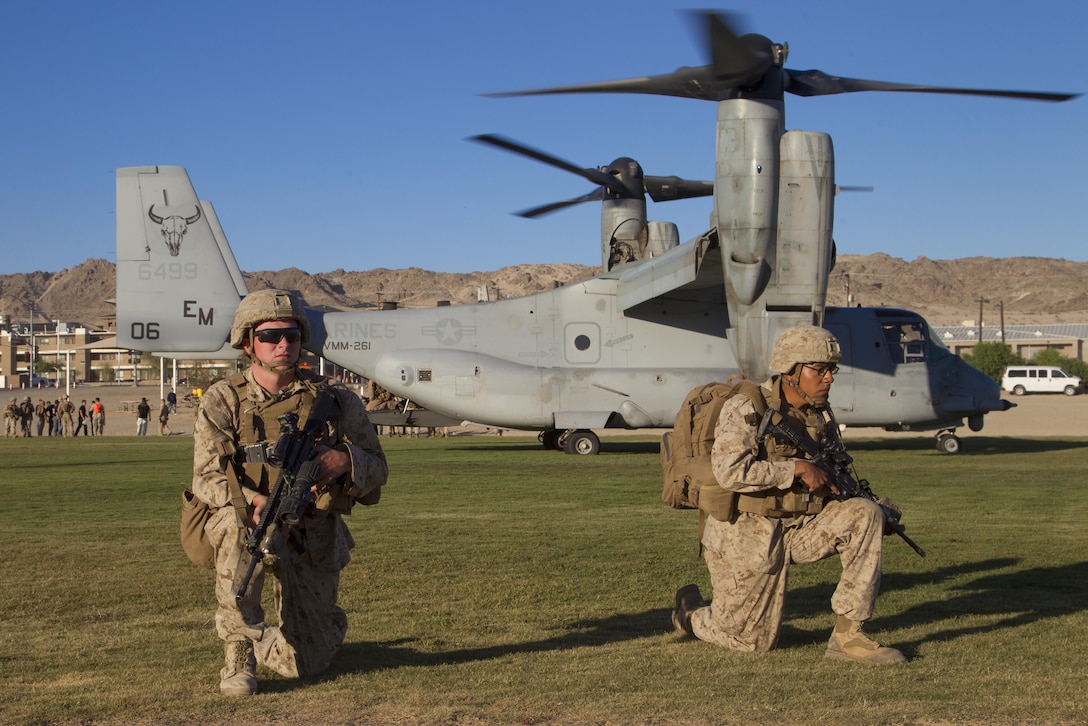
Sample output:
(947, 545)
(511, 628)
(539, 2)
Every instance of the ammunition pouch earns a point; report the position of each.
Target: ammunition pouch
(717, 502)
(796, 502)
(334, 500)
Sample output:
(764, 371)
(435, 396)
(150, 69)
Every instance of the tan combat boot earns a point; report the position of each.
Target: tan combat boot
(849, 642)
(239, 676)
(688, 599)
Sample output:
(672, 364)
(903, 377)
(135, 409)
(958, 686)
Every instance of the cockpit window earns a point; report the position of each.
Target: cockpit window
(911, 341)
(937, 347)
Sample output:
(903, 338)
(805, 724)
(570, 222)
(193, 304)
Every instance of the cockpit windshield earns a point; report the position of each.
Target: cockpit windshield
(911, 340)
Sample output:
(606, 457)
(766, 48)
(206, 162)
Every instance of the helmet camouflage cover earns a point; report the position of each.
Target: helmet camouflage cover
(804, 344)
(264, 305)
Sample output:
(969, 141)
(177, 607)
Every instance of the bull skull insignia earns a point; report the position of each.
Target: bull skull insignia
(174, 228)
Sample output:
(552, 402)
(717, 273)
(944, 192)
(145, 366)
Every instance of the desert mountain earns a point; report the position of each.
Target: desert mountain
(946, 292)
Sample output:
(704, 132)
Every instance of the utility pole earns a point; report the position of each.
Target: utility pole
(1001, 311)
(33, 350)
(57, 370)
(980, 301)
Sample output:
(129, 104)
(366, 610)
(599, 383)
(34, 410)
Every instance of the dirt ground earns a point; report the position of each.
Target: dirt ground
(120, 402)
(1035, 415)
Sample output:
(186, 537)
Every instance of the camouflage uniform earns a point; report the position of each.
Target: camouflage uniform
(67, 408)
(749, 556)
(311, 625)
(11, 418)
(27, 419)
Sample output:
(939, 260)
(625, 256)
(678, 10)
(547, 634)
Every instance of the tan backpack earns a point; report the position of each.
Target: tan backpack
(689, 481)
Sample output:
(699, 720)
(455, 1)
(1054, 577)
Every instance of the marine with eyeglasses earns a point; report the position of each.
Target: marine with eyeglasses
(784, 514)
(237, 419)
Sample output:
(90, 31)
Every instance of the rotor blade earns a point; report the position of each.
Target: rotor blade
(668, 188)
(839, 188)
(594, 176)
(698, 83)
(594, 196)
(733, 63)
(732, 60)
(818, 83)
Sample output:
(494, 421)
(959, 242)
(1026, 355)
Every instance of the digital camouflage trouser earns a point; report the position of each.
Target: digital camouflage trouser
(749, 560)
(311, 625)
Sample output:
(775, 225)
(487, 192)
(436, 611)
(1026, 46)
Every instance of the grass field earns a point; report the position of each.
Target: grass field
(500, 583)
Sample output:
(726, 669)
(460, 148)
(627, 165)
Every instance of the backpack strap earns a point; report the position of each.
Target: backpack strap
(754, 393)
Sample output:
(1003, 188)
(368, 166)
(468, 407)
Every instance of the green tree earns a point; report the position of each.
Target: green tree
(202, 373)
(1051, 357)
(992, 359)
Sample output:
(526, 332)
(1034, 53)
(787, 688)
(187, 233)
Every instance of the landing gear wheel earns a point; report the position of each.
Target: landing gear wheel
(550, 439)
(948, 443)
(583, 443)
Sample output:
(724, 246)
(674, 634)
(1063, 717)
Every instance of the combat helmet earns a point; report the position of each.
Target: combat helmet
(264, 305)
(804, 344)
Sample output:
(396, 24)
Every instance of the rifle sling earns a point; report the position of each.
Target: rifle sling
(242, 509)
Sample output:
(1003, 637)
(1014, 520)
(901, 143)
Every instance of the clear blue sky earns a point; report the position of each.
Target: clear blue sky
(332, 134)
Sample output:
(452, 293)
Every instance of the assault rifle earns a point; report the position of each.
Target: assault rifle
(291, 498)
(829, 455)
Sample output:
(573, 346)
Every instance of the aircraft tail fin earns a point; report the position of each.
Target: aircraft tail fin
(178, 283)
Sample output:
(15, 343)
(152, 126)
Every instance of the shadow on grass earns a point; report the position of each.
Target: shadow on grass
(363, 657)
(971, 445)
(47, 463)
(607, 447)
(1016, 598)
(1006, 599)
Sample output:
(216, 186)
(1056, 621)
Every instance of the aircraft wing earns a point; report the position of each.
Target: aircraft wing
(411, 417)
(691, 271)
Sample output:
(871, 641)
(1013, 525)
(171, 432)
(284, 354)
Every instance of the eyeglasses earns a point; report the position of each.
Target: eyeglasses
(822, 371)
(274, 335)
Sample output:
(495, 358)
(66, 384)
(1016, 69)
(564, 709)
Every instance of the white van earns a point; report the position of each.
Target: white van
(1019, 380)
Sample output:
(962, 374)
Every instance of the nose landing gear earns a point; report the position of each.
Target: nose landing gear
(574, 441)
(948, 442)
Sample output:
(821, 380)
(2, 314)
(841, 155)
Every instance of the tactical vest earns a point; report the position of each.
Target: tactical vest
(797, 501)
(257, 426)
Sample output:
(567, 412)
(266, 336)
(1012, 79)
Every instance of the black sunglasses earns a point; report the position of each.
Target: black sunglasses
(275, 335)
(822, 371)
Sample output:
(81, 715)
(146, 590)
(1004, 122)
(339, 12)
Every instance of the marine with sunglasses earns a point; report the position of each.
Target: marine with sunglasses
(236, 421)
(783, 514)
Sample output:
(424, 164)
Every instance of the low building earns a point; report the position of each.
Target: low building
(1024, 340)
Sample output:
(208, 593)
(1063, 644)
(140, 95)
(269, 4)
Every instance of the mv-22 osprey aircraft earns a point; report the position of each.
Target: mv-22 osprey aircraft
(620, 349)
